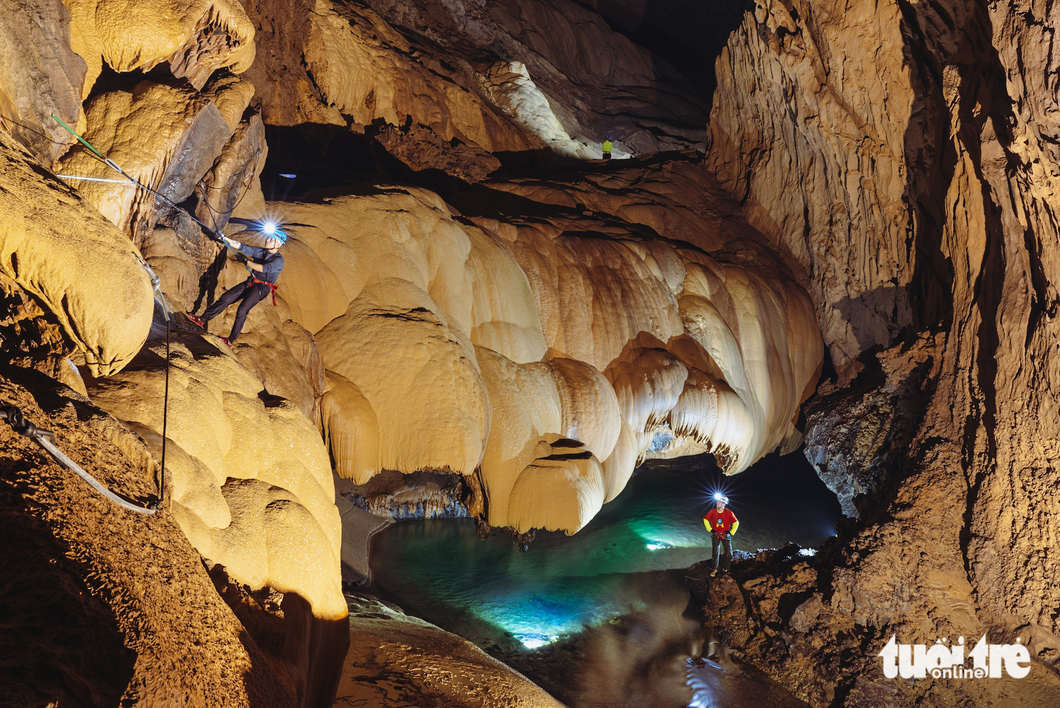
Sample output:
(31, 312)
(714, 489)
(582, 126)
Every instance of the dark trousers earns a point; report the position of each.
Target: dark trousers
(723, 544)
(249, 292)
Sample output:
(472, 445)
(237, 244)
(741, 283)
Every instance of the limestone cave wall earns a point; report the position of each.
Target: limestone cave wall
(915, 185)
(536, 336)
(489, 300)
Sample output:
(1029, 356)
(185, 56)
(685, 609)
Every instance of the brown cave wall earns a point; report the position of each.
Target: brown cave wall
(914, 185)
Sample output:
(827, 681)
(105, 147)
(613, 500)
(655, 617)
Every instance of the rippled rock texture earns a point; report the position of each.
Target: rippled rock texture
(530, 339)
(537, 322)
(914, 184)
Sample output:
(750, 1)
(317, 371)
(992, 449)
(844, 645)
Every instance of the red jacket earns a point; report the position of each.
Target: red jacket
(722, 523)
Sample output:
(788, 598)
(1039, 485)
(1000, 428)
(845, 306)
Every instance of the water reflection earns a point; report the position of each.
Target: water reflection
(727, 684)
(490, 593)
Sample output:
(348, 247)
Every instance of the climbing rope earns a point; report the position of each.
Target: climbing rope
(216, 235)
(20, 425)
(156, 283)
(99, 179)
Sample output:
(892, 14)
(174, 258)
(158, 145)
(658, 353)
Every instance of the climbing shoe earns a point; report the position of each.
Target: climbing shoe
(225, 340)
(198, 321)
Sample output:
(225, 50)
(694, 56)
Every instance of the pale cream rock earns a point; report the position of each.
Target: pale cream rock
(588, 405)
(526, 406)
(429, 398)
(504, 313)
(561, 489)
(758, 332)
(547, 304)
(196, 37)
(594, 294)
(280, 527)
(164, 137)
(351, 430)
(711, 414)
(534, 406)
(82, 269)
(408, 234)
(620, 464)
(648, 383)
(515, 92)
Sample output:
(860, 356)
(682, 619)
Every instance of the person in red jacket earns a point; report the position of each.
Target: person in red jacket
(722, 524)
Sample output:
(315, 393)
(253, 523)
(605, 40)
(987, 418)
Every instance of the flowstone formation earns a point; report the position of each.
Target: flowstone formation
(915, 184)
(533, 337)
(541, 356)
(470, 75)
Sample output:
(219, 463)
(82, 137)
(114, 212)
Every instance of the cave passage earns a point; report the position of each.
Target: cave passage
(496, 596)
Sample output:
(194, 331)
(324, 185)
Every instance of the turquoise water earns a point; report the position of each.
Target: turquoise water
(493, 594)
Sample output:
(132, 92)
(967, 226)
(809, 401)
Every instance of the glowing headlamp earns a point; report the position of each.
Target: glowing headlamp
(719, 497)
(269, 229)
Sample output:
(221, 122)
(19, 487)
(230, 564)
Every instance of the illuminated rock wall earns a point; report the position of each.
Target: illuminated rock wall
(916, 184)
(482, 349)
(251, 484)
(83, 272)
(541, 348)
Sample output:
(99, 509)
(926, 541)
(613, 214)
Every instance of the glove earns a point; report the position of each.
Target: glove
(231, 242)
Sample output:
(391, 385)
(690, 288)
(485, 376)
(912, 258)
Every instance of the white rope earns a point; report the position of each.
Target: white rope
(22, 426)
(99, 179)
(58, 455)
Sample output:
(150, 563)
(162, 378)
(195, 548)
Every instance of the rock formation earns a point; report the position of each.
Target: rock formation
(533, 348)
(396, 660)
(526, 323)
(912, 183)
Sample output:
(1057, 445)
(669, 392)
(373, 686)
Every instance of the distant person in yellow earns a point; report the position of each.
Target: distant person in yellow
(722, 524)
(606, 147)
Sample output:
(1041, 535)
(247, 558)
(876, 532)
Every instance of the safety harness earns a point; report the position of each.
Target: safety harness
(272, 286)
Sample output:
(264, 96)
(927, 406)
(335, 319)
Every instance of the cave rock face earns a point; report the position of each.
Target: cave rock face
(539, 339)
(195, 37)
(83, 272)
(480, 349)
(916, 185)
(42, 77)
(480, 74)
(251, 483)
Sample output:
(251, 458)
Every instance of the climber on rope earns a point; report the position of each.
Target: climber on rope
(606, 146)
(264, 265)
(722, 524)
